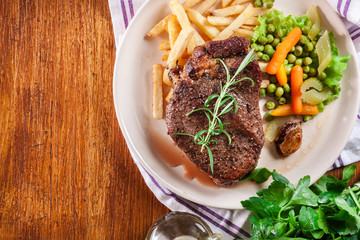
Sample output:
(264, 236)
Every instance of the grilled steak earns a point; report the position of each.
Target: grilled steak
(194, 83)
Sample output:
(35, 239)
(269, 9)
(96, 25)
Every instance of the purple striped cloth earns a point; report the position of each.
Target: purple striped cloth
(233, 223)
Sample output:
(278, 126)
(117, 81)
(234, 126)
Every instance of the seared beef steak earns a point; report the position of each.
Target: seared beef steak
(194, 83)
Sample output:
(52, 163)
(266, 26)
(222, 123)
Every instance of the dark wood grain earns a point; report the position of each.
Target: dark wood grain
(66, 172)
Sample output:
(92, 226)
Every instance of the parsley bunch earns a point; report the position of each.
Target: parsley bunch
(327, 209)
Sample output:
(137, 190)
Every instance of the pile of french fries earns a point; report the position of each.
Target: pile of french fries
(191, 24)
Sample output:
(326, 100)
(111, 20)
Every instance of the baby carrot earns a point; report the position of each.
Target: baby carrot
(284, 48)
(281, 75)
(287, 110)
(296, 82)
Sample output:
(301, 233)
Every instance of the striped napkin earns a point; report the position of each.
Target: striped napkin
(233, 223)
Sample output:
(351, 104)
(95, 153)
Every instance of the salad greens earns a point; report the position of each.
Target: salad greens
(327, 209)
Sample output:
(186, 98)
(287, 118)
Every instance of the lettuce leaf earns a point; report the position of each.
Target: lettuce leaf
(335, 68)
(277, 18)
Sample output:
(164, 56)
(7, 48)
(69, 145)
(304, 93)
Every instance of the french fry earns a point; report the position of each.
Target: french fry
(220, 21)
(164, 45)
(225, 3)
(165, 77)
(247, 27)
(159, 27)
(190, 3)
(201, 22)
(173, 30)
(243, 33)
(252, 21)
(165, 56)
(205, 6)
(239, 2)
(162, 25)
(236, 24)
(228, 11)
(169, 95)
(184, 21)
(179, 46)
(157, 94)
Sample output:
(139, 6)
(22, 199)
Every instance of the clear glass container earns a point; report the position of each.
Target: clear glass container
(181, 226)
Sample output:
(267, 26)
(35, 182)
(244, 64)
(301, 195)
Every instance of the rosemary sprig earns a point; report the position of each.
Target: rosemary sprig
(216, 126)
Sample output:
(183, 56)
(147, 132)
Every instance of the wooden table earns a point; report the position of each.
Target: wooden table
(66, 172)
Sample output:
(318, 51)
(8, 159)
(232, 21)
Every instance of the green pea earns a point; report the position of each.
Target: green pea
(305, 76)
(306, 69)
(279, 91)
(262, 40)
(299, 61)
(305, 54)
(286, 62)
(321, 107)
(258, 3)
(269, 117)
(270, 38)
(259, 54)
(292, 49)
(271, 88)
(288, 68)
(286, 88)
(309, 46)
(271, 28)
(279, 33)
(307, 118)
(321, 76)
(307, 61)
(304, 39)
(305, 29)
(277, 45)
(298, 50)
(260, 48)
(275, 42)
(268, 5)
(282, 101)
(291, 58)
(268, 49)
(270, 105)
(254, 45)
(313, 54)
(337, 89)
(312, 72)
(265, 57)
(262, 93)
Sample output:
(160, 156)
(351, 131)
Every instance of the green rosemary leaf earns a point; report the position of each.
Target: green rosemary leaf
(228, 136)
(210, 158)
(226, 69)
(198, 136)
(199, 109)
(228, 108)
(209, 99)
(245, 78)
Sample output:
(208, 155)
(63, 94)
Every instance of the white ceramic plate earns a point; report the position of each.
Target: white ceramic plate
(324, 137)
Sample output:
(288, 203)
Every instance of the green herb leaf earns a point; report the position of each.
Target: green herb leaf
(258, 175)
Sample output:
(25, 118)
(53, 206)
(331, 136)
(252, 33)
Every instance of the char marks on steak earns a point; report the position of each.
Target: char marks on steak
(194, 83)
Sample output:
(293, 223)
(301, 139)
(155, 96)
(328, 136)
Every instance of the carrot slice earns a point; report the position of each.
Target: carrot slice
(287, 110)
(284, 48)
(296, 82)
(281, 75)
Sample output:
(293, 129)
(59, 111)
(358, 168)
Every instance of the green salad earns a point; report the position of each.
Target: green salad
(316, 52)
